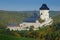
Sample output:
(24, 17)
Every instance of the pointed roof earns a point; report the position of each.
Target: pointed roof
(44, 7)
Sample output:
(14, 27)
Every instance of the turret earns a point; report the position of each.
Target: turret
(44, 12)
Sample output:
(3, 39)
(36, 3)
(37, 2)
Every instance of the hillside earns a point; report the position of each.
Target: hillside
(8, 37)
(17, 16)
(12, 16)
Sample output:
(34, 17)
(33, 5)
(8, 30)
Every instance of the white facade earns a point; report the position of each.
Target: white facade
(44, 14)
(13, 28)
(36, 25)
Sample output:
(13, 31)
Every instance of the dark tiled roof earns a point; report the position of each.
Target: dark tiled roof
(12, 24)
(44, 7)
(33, 18)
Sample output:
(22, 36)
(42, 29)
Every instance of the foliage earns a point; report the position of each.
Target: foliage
(8, 37)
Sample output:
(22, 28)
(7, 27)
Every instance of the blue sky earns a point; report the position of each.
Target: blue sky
(28, 5)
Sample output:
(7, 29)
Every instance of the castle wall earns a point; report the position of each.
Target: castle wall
(13, 28)
(44, 14)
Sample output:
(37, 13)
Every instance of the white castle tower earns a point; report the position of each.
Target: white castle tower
(44, 12)
(44, 15)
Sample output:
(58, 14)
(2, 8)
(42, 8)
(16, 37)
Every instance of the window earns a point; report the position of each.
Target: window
(41, 13)
(21, 26)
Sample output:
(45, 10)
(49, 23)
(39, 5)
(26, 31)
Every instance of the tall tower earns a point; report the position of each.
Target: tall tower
(44, 12)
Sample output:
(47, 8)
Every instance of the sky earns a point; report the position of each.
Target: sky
(28, 5)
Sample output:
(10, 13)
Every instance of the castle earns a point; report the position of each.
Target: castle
(43, 20)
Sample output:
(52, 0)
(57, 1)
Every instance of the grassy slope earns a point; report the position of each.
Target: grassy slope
(8, 37)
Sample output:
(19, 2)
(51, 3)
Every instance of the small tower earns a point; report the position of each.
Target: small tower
(44, 12)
